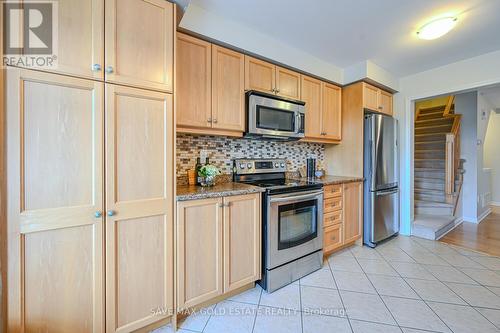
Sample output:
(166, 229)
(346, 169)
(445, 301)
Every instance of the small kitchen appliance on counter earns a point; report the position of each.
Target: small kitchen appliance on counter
(292, 221)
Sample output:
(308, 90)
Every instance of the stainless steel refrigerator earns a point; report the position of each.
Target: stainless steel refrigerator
(381, 186)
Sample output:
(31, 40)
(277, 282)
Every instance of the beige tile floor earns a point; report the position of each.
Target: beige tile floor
(407, 285)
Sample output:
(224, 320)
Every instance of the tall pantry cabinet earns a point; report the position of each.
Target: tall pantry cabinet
(90, 173)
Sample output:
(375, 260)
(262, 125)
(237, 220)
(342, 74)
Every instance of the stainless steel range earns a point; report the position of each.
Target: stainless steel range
(292, 221)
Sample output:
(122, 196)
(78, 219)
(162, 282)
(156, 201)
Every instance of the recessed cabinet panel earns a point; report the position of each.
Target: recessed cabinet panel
(386, 102)
(259, 75)
(370, 97)
(311, 95)
(139, 43)
(228, 91)
(55, 167)
(139, 205)
(353, 211)
(194, 82)
(287, 83)
(332, 113)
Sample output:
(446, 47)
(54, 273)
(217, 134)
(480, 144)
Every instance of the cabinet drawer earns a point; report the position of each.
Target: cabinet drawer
(332, 218)
(333, 205)
(332, 237)
(332, 191)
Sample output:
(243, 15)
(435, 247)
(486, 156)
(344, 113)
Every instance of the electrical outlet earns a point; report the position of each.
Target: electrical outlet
(203, 156)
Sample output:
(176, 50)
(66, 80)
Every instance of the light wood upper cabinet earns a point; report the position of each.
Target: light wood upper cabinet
(80, 39)
(199, 251)
(353, 211)
(139, 43)
(332, 112)
(139, 203)
(287, 83)
(242, 240)
(377, 99)
(386, 102)
(259, 75)
(228, 91)
(55, 202)
(194, 82)
(312, 92)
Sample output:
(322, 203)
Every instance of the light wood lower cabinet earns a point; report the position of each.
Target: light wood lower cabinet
(139, 203)
(343, 215)
(55, 259)
(218, 247)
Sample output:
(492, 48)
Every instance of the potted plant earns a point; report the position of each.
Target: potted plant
(208, 174)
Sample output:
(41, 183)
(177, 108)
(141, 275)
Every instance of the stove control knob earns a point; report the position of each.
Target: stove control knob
(249, 165)
(276, 165)
(242, 165)
(282, 165)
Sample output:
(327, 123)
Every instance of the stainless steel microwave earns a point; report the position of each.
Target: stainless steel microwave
(269, 116)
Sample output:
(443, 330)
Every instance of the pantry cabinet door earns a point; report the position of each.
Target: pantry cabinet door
(287, 83)
(139, 204)
(199, 251)
(332, 112)
(79, 44)
(54, 189)
(242, 240)
(353, 211)
(194, 85)
(228, 90)
(260, 75)
(311, 95)
(140, 43)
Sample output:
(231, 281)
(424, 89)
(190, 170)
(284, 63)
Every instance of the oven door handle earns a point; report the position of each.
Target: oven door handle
(296, 197)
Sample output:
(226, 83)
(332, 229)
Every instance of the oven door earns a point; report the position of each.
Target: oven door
(273, 117)
(294, 226)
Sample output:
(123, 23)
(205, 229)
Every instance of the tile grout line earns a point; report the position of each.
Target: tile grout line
(338, 291)
(257, 312)
(418, 294)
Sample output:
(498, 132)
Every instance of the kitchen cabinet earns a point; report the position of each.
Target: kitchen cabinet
(55, 201)
(266, 77)
(343, 215)
(194, 82)
(353, 211)
(242, 240)
(323, 110)
(80, 39)
(210, 88)
(332, 113)
(228, 97)
(139, 206)
(139, 37)
(377, 99)
(218, 247)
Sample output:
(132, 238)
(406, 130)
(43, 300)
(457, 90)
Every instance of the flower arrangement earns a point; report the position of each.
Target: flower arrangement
(208, 174)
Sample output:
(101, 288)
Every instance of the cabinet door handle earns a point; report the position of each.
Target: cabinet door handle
(381, 107)
(109, 69)
(111, 213)
(209, 120)
(277, 91)
(98, 214)
(96, 67)
(215, 121)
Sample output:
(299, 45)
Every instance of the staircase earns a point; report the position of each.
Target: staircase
(438, 170)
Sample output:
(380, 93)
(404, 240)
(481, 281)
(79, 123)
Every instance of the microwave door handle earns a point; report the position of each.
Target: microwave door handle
(298, 120)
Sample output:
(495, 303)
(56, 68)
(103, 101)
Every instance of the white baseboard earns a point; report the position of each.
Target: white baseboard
(484, 215)
(495, 203)
(456, 223)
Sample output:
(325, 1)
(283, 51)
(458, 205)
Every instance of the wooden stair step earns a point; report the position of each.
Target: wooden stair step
(433, 109)
(430, 115)
(434, 129)
(424, 203)
(441, 137)
(434, 122)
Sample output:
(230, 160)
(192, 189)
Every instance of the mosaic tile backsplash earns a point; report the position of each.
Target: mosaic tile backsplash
(222, 151)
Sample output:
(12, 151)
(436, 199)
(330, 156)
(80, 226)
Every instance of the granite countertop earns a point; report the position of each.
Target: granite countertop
(333, 180)
(186, 192)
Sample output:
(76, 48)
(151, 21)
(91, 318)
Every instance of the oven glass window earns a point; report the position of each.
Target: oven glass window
(297, 223)
(275, 119)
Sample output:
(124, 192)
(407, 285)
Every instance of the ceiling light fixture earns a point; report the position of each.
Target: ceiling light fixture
(437, 28)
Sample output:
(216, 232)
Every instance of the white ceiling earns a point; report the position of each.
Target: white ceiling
(345, 33)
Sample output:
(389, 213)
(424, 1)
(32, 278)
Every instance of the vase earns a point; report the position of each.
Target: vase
(208, 181)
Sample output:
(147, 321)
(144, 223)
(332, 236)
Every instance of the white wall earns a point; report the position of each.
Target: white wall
(466, 105)
(492, 156)
(463, 75)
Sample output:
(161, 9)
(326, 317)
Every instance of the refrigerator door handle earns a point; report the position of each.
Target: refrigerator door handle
(387, 192)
